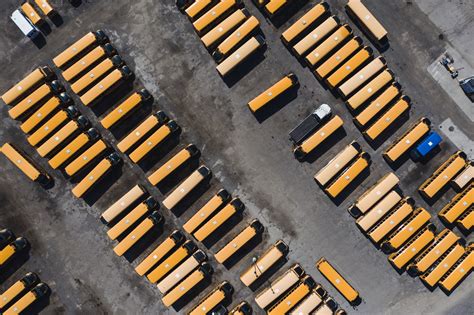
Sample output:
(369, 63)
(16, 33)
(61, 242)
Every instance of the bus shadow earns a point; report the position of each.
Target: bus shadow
(244, 251)
(351, 187)
(147, 240)
(331, 141)
(56, 19)
(277, 104)
(116, 96)
(436, 197)
(245, 67)
(160, 151)
(18, 260)
(225, 228)
(39, 305)
(39, 41)
(181, 173)
(104, 184)
(191, 197)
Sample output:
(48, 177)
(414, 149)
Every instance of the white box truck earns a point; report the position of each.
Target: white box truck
(24, 24)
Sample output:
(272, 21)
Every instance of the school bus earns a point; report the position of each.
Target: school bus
(418, 219)
(277, 89)
(215, 13)
(274, 254)
(348, 175)
(8, 252)
(443, 175)
(18, 288)
(85, 158)
(459, 271)
(372, 195)
(142, 130)
(153, 141)
(81, 84)
(367, 20)
(387, 119)
(274, 6)
(443, 241)
(370, 89)
(466, 221)
(39, 291)
(197, 8)
(239, 241)
(337, 280)
(391, 220)
(79, 47)
(184, 269)
(62, 135)
(215, 297)
(328, 45)
(234, 39)
(464, 178)
(377, 105)
(131, 218)
(73, 147)
(216, 221)
(279, 286)
(216, 202)
(407, 140)
(309, 304)
(292, 298)
(180, 192)
(337, 58)
(376, 213)
(31, 13)
(173, 164)
(361, 77)
(167, 265)
(30, 101)
(345, 70)
(297, 28)
(162, 250)
(458, 205)
(315, 36)
(44, 111)
(313, 141)
(411, 249)
(134, 194)
(98, 172)
(443, 265)
(338, 163)
(137, 233)
(183, 288)
(38, 76)
(105, 85)
(25, 164)
(45, 7)
(88, 60)
(221, 29)
(241, 54)
(125, 108)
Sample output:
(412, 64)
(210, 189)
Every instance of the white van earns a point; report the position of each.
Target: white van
(24, 24)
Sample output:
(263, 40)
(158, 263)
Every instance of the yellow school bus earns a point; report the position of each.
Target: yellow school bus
(348, 175)
(292, 298)
(315, 36)
(407, 140)
(133, 195)
(362, 76)
(367, 20)
(86, 157)
(313, 141)
(25, 164)
(214, 298)
(73, 147)
(274, 254)
(153, 141)
(31, 13)
(241, 54)
(387, 119)
(45, 7)
(8, 252)
(466, 221)
(162, 250)
(377, 105)
(370, 89)
(304, 22)
(99, 171)
(18, 288)
(337, 280)
(216, 12)
(328, 45)
(197, 8)
(32, 80)
(79, 47)
(459, 271)
(216, 221)
(220, 199)
(464, 178)
(239, 241)
(443, 265)
(138, 233)
(443, 241)
(234, 39)
(38, 292)
(337, 58)
(443, 175)
(458, 205)
(346, 69)
(411, 249)
(380, 209)
(88, 60)
(81, 85)
(221, 29)
(40, 114)
(173, 164)
(277, 89)
(125, 108)
(142, 130)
